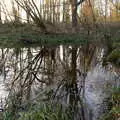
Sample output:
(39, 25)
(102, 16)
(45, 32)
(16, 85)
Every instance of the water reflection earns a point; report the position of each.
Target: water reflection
(60, 69)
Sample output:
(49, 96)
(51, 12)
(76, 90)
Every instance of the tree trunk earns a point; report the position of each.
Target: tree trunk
(0, 13)
(74, 14)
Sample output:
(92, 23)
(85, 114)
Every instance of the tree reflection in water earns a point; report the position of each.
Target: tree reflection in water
(59, 70)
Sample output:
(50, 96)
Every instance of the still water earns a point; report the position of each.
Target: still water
(68, 70)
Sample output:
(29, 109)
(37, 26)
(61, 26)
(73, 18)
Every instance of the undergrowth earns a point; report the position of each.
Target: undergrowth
(114, 112)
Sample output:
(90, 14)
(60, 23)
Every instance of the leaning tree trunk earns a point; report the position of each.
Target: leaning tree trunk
(34, 13)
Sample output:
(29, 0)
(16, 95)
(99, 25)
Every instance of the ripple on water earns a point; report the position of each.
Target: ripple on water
(95, 90)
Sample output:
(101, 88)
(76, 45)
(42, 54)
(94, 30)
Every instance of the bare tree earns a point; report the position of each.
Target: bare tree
(0, 12)
(34, 13)
(75, 5)
(15, 12)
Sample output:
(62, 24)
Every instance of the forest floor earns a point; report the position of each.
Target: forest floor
(29, 35)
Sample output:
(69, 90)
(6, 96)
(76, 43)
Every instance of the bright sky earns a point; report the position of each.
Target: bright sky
(9, 9)
(23, 14)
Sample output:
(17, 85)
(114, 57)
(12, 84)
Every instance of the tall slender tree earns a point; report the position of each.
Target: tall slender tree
(74, 7)
(0, 12)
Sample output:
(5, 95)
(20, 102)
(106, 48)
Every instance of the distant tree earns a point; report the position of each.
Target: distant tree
(75, 5)
(115, 10)
(30, 6)
(66, 11)
(15, 12)
(0, 12)
(88, 10)
(116, 4)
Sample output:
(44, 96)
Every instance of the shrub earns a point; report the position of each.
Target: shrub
(114, 113)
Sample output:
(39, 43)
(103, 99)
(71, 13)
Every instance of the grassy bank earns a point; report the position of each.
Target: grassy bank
(18, 40)
(29, 35)
(20, 35)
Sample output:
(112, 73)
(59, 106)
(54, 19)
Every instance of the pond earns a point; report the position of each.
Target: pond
(69, 71)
